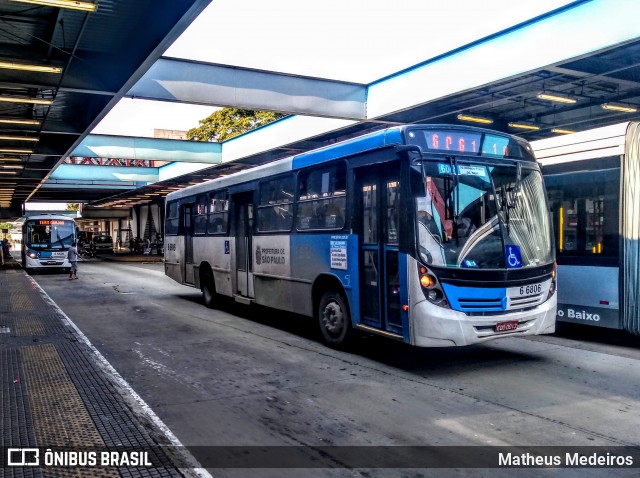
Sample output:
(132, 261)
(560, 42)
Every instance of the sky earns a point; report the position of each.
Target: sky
(134, 117)
(348, 40)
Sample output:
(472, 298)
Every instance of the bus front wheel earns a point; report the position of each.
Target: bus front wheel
(208, 290)
(334, 319)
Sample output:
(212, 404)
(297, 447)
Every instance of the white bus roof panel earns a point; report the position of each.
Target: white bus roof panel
(595, 143)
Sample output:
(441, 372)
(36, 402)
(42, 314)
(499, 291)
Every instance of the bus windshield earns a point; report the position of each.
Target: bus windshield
(49, 234)
(472, 218)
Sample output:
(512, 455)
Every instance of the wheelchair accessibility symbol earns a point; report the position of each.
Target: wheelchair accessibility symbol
(512, 256)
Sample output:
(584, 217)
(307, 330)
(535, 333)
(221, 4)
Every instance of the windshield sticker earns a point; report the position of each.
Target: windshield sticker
(472, 170)
(512, 256)
(467, 170)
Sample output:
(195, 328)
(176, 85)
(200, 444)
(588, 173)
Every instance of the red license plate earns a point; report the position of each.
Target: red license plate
(506, 326)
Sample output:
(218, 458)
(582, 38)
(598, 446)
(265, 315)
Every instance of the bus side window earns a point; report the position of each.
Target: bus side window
(218, 213)
(322, 198)
(275, 208)
(200, 219)
(172, 221)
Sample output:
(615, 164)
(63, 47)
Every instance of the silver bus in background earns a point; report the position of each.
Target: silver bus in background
(593, 184)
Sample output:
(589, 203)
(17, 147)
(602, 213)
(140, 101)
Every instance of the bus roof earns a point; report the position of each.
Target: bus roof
(371, 141)
(378, 139)
(41, 215)
(591, 144)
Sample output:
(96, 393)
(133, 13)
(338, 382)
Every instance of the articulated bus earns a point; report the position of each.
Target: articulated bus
(431, 235)
(593, 181)
(45, 241)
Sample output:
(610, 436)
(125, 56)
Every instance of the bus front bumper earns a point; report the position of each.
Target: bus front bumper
(434, 326)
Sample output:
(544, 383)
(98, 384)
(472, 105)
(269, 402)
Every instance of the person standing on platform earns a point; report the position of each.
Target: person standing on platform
(72, 255)
(6, 248)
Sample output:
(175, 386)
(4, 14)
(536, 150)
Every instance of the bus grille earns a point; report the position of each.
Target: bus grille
(479, 300)
(485, 304)
(526, 301)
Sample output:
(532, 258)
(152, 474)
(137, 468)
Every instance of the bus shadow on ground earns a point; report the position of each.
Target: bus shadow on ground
(597, 335)
(419, 360)
(46, 272)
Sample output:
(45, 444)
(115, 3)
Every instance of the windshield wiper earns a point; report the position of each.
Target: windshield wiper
(454, 208)
(513, 200)
(502, 200)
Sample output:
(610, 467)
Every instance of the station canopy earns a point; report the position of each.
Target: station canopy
(337, 69)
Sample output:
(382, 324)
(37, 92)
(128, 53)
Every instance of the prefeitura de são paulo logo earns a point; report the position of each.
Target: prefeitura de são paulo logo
(258, 255)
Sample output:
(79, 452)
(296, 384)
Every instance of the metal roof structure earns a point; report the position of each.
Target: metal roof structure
(587, 50)
(98, 56)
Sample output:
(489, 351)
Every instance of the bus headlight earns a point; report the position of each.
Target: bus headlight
(432, 290)
(552, 287)
(428, 281)
(33, 254)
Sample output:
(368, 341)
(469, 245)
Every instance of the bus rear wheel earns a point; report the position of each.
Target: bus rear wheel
(208, 290)
(334, 319)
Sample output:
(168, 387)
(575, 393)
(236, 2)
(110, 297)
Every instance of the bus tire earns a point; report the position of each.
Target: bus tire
(208, 289)
(334, 319)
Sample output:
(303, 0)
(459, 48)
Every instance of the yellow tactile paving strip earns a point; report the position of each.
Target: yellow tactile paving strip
(29, 327)
(59, 415)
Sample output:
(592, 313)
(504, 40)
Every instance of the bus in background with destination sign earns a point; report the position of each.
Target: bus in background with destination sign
(431, 235)
(46, 238)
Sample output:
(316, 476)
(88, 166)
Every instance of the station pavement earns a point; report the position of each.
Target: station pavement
(58, 393)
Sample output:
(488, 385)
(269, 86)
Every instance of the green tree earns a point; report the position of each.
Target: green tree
(230, 122)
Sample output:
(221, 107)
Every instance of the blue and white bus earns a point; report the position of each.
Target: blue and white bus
(431, 235)
(593, 180)
(45, 241)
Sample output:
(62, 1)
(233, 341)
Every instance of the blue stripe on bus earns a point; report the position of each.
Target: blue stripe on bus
(357, 145)
(476, 299)
(311, 255)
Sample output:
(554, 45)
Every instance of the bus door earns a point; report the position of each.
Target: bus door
(244, 225)
(187, 227)
(378, 189)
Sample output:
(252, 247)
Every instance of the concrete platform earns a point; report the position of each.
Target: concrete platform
(59, 393)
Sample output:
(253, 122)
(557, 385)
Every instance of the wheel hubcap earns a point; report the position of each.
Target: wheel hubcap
(333, 318)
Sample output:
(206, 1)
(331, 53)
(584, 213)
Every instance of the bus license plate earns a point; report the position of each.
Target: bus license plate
(507, 326)
(58, 254)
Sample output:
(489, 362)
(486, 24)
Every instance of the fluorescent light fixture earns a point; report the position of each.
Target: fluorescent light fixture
(19, 138)
(556, 98)
(16, 151)
(524, 126)
(70, 4)
(7, 172)
(562, 131)
(619, 107)
(11, 166)
(475, 119)
(19, 121)
(31, 101)
(6, 158)
(12, 65)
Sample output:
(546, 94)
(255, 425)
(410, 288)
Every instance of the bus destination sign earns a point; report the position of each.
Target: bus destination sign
(50, 222)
